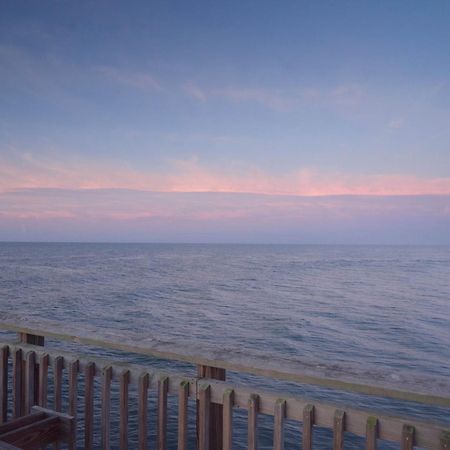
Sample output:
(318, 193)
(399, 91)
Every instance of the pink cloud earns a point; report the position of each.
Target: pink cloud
(28, 171)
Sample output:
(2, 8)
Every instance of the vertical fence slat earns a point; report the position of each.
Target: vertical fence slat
(144, 382)
(204, 410)
(89, 405)
(73, 395)
(17, 383)
(106, 406)
(253, 409)
(407, 437)
(163, 387)
(445, 441)
(58, 365)
(338, 430)
(43, 380)
(278, 424)
(215, 409)
(183, 395)
(371, 433)
(123, 401)
(4, 353)
(228, 403)
(30, 381)
(308, 422)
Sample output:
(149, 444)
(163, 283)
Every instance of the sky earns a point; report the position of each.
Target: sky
(256, 121)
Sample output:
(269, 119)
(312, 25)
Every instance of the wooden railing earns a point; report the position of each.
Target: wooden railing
(25, 381)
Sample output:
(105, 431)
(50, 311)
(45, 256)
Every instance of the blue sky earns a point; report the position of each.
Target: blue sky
(316, 99)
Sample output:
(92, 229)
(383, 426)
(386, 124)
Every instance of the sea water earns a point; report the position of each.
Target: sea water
(381, 308)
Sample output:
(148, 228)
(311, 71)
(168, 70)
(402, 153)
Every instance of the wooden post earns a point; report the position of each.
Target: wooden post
(33, 339)
(308, 422)
(216, 411)
(183, 398)
(4, 353)
(278, 426)
(407, 437)
(253, 409)
(123, 402)
(228, 402)
(371, 433)
(338, 430)
(204, 417)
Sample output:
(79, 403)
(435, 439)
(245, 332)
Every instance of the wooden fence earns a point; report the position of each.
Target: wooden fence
(24, 382)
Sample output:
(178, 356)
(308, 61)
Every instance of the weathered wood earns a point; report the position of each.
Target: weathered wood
(21, 422)
(17, 383)
(27, 338)
(123, 407)
(204, 415)
(4, 354)
(445, 441)
(43, 380)
(58, 365)
(67, 423)
(33, 339)
(89, 406)
(73, 395)
(295, 371)
(407, 437)
(183, 395)
(144, 382)
(38, 433)
(216, 410)
(338, 430)
(228, 403)
(278, 425)
(106, 406)
(371, 433)
(427, 434)
(30, 381)
(308, 422)
(253, 410)
(161, 432)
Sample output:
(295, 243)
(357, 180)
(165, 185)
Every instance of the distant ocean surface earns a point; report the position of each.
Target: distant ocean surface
(375, 306)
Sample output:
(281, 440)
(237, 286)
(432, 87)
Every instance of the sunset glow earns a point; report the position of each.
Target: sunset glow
(207, 123)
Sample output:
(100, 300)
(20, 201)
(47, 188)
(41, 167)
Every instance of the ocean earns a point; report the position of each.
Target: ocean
(369, 308)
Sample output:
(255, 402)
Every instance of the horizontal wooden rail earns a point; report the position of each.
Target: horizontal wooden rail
(209, 391)
(431, 391)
